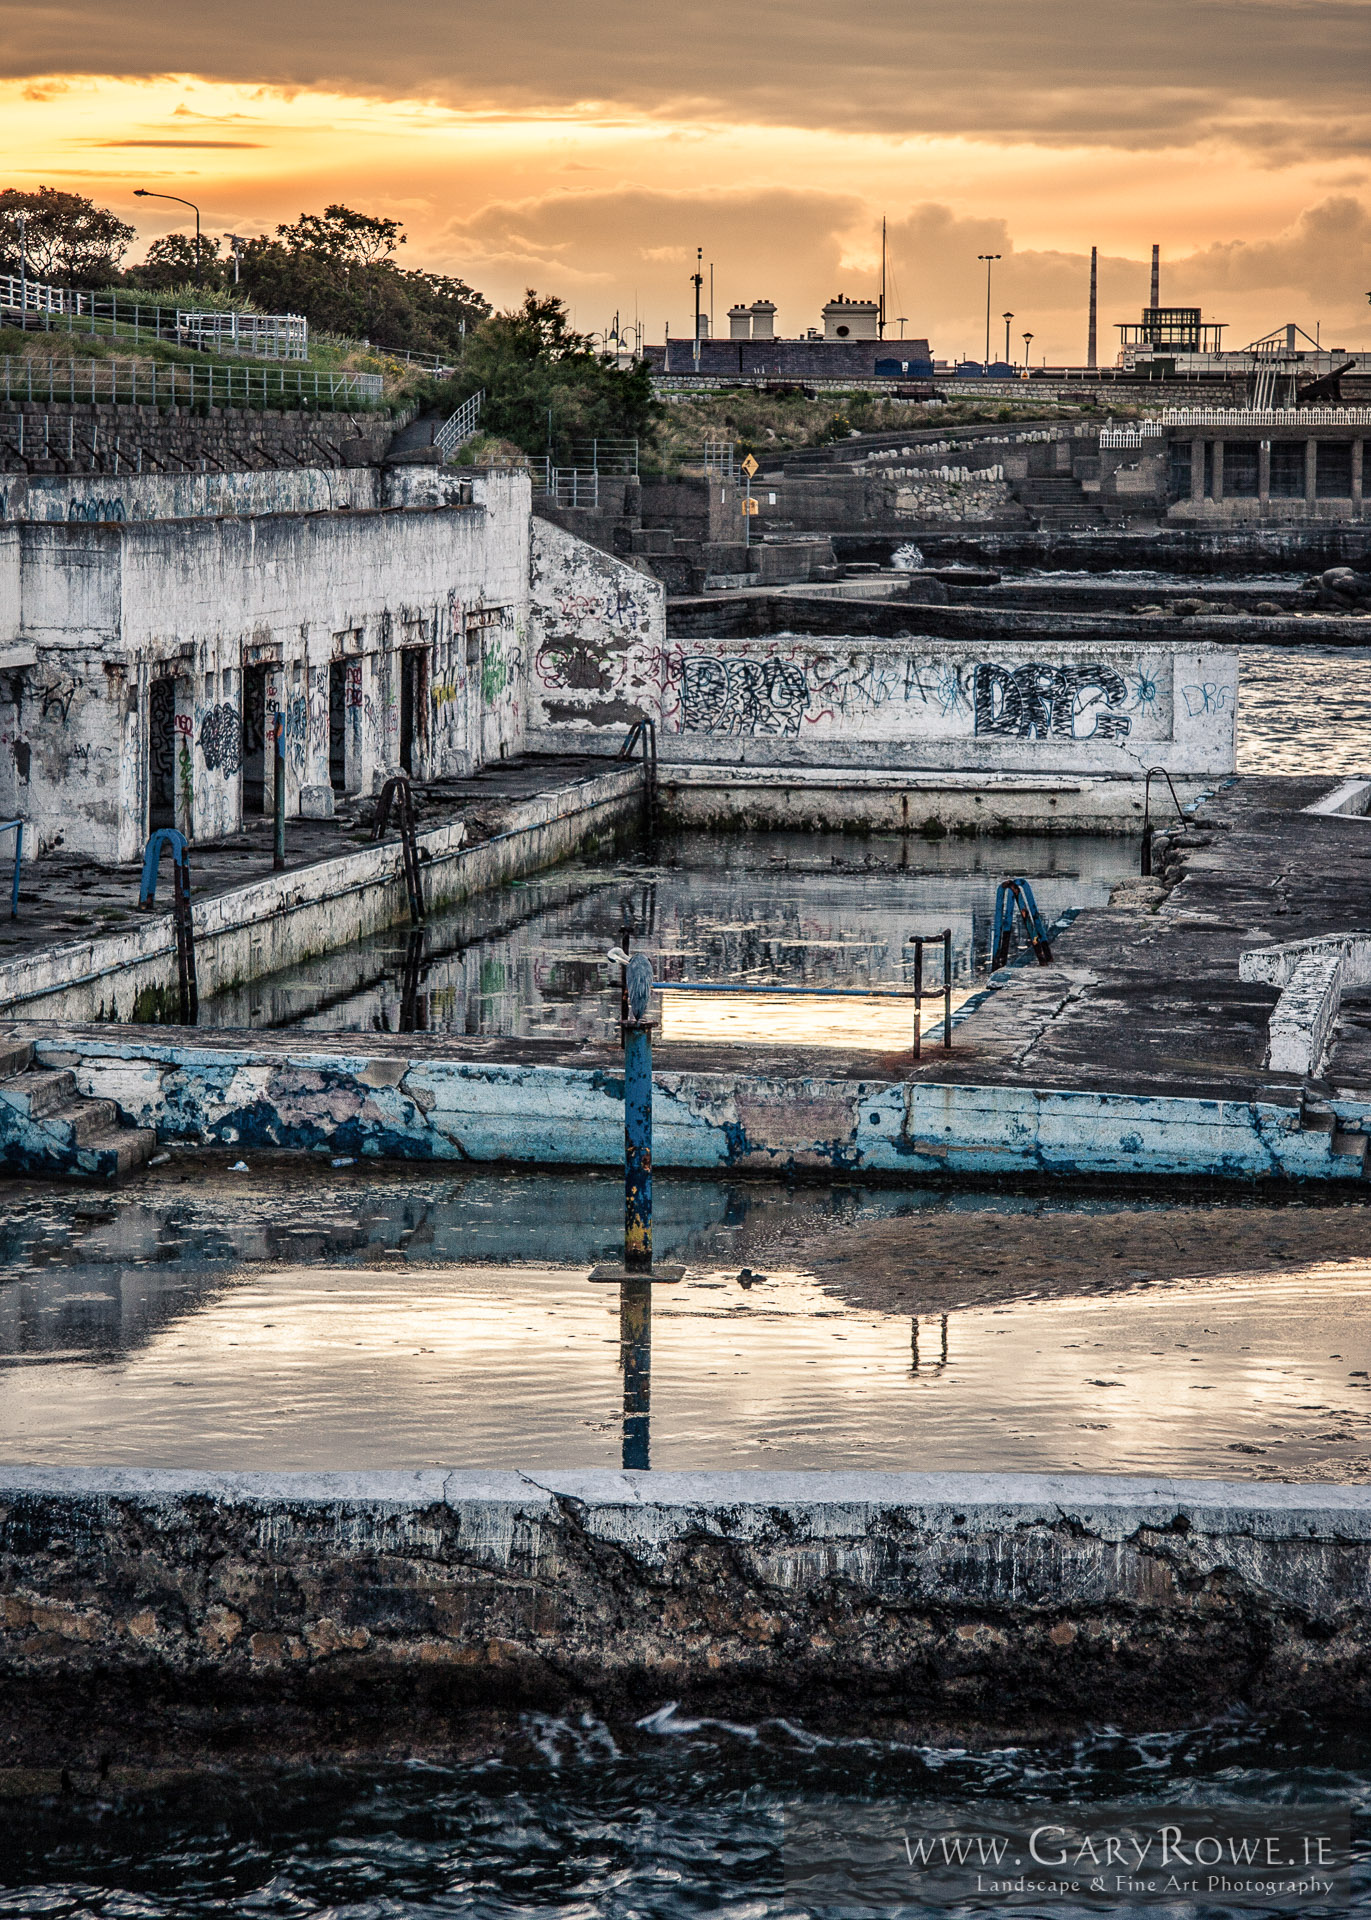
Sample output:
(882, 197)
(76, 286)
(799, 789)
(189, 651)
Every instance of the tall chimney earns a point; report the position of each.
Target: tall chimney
(1156, 275)
(1090, 337)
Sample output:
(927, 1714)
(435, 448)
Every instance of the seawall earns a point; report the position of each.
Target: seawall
(153, 1615)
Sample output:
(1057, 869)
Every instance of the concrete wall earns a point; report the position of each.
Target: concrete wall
(179, 496)
(110, 609)
(588, 614)
(999, 705)
(166, 1614)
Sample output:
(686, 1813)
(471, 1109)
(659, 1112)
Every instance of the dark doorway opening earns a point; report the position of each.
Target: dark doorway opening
(162, 754)
(255, 740)
(411, 698)
(1287, 469)
(337, 726)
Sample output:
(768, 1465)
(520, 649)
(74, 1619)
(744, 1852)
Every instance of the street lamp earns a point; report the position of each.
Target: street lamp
(1007, 318)
(146, 193)
(1027, 343)
(989, 258)
(902, 317)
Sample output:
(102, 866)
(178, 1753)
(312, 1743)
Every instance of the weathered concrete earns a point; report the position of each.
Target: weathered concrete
(1011, 704)
(587, 611)
(242, 932)
(155, 1615)
(334, 610)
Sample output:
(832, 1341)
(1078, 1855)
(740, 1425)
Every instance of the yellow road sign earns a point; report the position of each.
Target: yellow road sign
(749, 505)
(750, 467)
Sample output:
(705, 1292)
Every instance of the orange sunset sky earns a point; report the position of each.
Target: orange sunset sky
(587, 149)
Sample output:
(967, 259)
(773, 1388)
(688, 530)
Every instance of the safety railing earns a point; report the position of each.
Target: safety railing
(1014, 900)
(611, 454)
(398, 794)
(1267, 416)
(149, 383)
(459, 426)
(169, 838)
(918, 941)
(273, 336)
(566, 486)
(1130, 436)
(1145, 864)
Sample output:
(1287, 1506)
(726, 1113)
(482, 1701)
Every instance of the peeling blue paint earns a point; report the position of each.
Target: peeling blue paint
(416, 1109)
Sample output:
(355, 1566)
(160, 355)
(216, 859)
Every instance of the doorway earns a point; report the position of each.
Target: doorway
(411, 704)
(255, 740)
(162, 754)
(337, 726)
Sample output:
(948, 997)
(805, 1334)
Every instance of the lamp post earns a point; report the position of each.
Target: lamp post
(146, 193)
(1027, 343)
(989, 259)
(697, 280)
(1007, 318)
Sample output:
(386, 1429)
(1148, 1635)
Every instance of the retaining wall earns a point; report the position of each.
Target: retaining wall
(1011, 703)
(374, 1099)
(154, 1615)
(248, 931)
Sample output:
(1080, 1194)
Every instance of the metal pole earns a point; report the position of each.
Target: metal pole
(947, 986)
(638, 1146)
(635, 1357)
(988, 258)
(278, 858)
(918, 994)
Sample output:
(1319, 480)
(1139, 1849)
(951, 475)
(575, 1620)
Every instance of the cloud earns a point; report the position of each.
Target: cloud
(1059, 72)
(797, 247)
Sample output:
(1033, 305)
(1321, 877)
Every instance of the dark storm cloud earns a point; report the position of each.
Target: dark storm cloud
(1152, 73)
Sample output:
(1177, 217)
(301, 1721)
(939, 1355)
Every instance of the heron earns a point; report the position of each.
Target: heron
(638, 979)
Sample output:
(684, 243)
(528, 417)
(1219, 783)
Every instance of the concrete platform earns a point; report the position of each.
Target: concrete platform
(160, 1615)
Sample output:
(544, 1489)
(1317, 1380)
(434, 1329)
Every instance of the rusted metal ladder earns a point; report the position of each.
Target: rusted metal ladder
(398, 793)
(180, 912)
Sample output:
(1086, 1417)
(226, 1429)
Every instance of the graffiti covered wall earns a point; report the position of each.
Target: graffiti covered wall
(1028, 706)
(597, 632)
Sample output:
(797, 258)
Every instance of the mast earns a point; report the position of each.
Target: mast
(880, 324)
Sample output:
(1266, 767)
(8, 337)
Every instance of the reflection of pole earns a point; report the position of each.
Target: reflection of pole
(637, 1145)
(635, 1357)
(278, 858)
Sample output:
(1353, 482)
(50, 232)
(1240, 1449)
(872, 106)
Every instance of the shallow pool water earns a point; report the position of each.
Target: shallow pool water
(665, 1819)
(310, 1366)
(802, 909)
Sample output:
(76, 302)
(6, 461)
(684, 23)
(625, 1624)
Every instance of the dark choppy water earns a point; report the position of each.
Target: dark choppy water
(664, 1820)
(1304, 710)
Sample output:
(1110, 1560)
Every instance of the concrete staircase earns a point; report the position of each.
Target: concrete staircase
(48, 1129)
(1058, 500)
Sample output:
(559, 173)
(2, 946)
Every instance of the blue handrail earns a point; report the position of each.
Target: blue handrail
(16, 827)
(1013, 896)
(152, 859)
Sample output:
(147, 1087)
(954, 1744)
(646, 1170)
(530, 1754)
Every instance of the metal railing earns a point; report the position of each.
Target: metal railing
(720, 463)
(1267, 416)
(460, 425)
(148, 383)
(1132, 435)
(271, 336)
(614, 453)
(566, 486)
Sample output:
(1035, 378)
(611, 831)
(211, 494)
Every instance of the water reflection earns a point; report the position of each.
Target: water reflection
(821, 910)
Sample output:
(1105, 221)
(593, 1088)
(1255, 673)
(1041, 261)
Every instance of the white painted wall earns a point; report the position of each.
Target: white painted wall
(110, 608)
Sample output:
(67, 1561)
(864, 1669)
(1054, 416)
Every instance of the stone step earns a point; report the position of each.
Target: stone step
(15, 1055)
(40, 1092)
(1350, 1146)
(128, 1147)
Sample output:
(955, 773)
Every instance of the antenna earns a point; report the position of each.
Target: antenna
(880, 325)
(1090, 336)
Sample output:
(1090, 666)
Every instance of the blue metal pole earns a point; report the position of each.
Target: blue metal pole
(637, 1146)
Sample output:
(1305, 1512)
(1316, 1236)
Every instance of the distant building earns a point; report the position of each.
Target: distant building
(849, 347)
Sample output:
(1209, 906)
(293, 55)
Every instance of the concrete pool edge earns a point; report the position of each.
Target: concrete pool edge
(374, 1101)
(179, 1613)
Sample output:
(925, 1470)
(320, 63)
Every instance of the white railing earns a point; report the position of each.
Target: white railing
(566, 486)
(266, 336)
(459, 426)
(1132, 435)
(149, 383)
(720, 463)
(1267, 416)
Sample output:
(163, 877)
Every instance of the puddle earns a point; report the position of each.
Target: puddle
(825, 910)
(307, 1366)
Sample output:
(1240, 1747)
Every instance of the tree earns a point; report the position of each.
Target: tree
(336, 268)
(170, 262)
(546, 388)
(67, 239)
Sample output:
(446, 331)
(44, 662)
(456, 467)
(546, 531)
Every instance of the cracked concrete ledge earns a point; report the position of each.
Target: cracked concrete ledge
(155, 1614)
